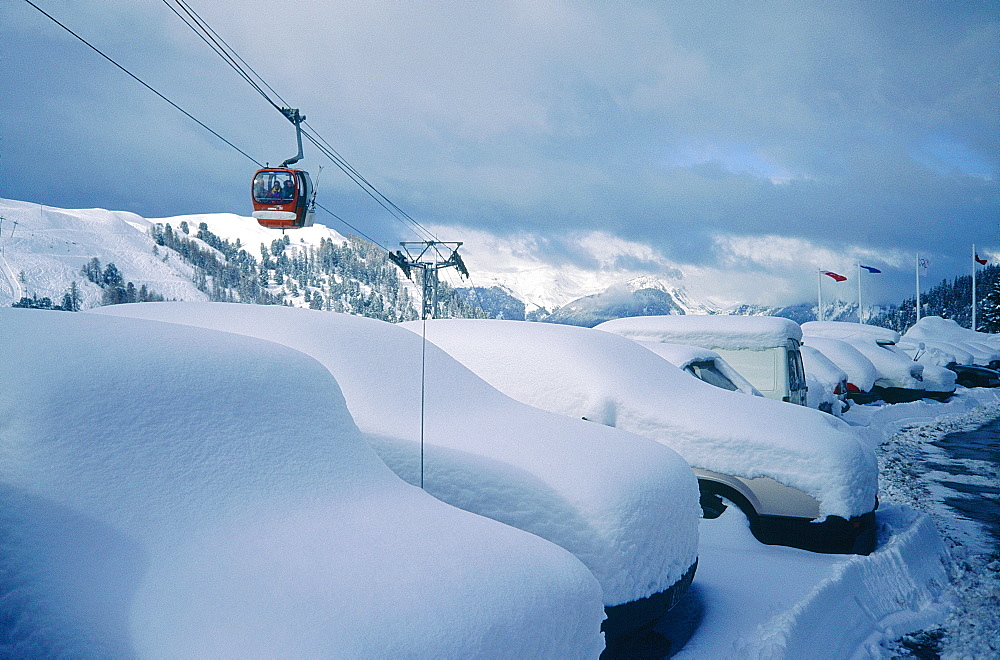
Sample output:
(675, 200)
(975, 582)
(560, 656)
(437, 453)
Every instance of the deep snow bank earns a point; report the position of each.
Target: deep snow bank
(757, 601)
(626, 506)
(178, 492)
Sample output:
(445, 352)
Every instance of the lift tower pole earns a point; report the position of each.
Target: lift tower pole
(428, 257)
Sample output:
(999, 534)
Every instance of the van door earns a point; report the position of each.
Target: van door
(797, 387)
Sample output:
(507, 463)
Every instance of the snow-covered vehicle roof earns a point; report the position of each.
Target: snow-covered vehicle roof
(614, 381)
(684, 357)
(180, 492)
(860, 371)
(845, 330)
(621, 503)
(709, 331)
(895, 368)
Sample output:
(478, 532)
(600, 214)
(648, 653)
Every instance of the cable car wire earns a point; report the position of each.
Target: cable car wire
(205, 32)
(188, 114)
(142, 82)
(222, 48)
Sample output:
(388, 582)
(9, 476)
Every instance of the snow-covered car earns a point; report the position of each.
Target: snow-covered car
(969, 375)
(935, 352)
(827, 382)
(177, 492)
(764, 349)
(803, 478)
(984, 347)
(704, 365)
(900, 378)
(626, 506)
(953, 358)
(861, 373)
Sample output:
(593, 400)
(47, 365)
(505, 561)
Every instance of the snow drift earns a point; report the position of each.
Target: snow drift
(178, 492)
(626, 506)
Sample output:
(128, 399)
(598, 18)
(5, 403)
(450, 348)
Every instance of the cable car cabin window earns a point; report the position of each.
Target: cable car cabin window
(274, 187)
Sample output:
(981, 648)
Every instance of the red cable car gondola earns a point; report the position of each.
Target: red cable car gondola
(284, 198)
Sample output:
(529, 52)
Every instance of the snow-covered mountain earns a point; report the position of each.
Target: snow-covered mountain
(640, 296)
(78, 259)
(63, 255)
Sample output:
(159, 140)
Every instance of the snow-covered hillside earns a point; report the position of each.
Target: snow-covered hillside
(43, 249)
(80, 259)
(44, 252)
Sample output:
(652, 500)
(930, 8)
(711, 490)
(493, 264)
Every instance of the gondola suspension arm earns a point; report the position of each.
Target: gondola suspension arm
(292, 114)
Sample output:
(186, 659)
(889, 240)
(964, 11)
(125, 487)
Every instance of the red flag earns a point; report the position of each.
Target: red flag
(981, 261)
(839, 278)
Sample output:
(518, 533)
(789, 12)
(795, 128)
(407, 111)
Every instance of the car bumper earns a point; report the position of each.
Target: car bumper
(898, 394)
(834, 534)
(628, 617)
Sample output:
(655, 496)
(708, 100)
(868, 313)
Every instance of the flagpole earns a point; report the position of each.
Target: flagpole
(819, 294)
(974, 286)
(859, 293)
(917, 276)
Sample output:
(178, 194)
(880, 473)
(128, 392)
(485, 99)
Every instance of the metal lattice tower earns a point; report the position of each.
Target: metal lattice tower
(429, 257)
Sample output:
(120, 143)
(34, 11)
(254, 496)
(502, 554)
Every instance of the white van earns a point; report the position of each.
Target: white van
(763, 349)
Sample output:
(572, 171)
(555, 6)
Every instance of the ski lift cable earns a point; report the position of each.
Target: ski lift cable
(194, 22)
(362, 183)
(201, 27)
(358, 231)
(227, 51)
(184, 112)
(428, 234)
(142, 82)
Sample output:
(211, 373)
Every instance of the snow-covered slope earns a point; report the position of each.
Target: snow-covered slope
(43, 253)
(175, 492)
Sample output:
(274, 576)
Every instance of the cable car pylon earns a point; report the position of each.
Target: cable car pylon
(427, 257)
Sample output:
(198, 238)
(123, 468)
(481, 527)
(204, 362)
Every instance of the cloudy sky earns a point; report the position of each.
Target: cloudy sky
(743, 144)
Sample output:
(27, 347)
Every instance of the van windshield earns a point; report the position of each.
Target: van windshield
(708, 372)
(761, 368)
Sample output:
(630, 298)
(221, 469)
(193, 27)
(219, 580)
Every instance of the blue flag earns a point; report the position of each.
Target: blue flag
(870, 269)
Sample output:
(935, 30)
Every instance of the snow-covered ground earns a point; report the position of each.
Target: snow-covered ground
(933, 581)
